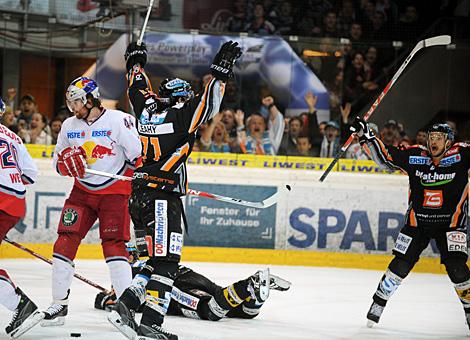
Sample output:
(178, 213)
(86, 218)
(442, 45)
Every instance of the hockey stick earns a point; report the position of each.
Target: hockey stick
(434, 41)
(45, 259)
(144, 26)
(271, 200)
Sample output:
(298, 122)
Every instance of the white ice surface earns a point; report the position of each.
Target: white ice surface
(323, 303)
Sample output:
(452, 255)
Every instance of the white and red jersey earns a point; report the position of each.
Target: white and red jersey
(112, 145)
(17, 170)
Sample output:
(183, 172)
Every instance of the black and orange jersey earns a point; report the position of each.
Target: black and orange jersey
(168, 135)
(438, 193)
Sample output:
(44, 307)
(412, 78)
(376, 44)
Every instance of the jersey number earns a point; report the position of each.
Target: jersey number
(150, 142)
(7, 155)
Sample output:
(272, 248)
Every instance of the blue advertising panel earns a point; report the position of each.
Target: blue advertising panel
(219, 224)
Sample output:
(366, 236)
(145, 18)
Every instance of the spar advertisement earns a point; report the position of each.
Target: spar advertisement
(355, 213)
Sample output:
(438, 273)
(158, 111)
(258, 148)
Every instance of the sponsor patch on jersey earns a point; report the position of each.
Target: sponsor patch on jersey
(150, 117)
(419, 160)
(184, 298)
(434, 178)
(450, 160)
(457, 241)
(69, 217)
(79, 134)
(101, 133)
(433, 199)
(161, 227)
(176, 243)
(402, 244)
(151, 129)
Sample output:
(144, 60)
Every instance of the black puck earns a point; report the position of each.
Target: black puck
(75, 335)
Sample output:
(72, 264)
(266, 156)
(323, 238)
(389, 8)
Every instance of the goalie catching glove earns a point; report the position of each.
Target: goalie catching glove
(221, 67)
(362, 129)
(72, 162)
(135, 54)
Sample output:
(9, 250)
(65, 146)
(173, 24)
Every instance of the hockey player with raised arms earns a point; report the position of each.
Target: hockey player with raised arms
(101, 139)
(437, 209)
(17, 170)
(167, 125)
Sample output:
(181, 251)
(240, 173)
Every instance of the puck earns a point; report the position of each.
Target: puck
(75, 335)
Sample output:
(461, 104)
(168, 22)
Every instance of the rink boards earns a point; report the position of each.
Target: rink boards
(350, 220)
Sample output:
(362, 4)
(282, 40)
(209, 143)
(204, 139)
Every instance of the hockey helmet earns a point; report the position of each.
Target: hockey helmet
(442, 128)
(3, 107)
(80, 88)
(175, 88)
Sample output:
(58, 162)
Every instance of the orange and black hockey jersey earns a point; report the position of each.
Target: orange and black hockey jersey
(168, 135)
(438, 193)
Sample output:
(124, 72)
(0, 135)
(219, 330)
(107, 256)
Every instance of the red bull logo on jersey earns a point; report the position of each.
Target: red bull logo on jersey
(97, 151)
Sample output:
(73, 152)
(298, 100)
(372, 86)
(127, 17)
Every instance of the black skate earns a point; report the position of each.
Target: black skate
(122, 318)
(26, 316)
(154, 332)
(467, 317)
(373, 316)
(259, 284)
(55, 314)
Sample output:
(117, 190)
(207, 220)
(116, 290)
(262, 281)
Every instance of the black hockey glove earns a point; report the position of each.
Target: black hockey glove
(362, 130)
(221, 67)
(105, 301)
(135, 54)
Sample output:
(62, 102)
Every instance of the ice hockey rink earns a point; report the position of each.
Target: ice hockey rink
(323, 303)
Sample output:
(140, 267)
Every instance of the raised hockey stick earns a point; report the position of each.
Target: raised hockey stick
(144, 26)
(434, 41)
(271, 200)
(45, 259)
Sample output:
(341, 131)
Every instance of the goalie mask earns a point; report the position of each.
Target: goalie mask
(175, 88)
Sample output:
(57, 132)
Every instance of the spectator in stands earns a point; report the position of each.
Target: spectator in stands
(232, 96)
(421, 137)
(355, 33)
(284, 18)
(55, 125)
(259, 141)
(379, 28)
(11, 101)
(331, 140)
(390, 133)
(354, 77)
(453, 126)
(356, 151)
(259, 24)
(367, 10)
(234, 123)
(304, 147)
(347, 16)
(237, 22)
(310, 122)
(289, 139)
(63, 113)
(39, 130)
(28, 107)
(335, 92)
(8, 120)
(410, 24)
(371, 65)
(215, 137)
(329, 28)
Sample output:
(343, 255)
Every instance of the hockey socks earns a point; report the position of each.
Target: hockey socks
(8, 296)
(62, 275)
(387, 286)
(120, 272)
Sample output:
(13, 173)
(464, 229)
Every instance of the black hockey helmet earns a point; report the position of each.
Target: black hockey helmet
(443, 128)
(175, 88)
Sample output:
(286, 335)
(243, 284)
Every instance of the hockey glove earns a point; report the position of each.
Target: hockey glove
(221, 67)
(362, 130)
(72, 162)
(135, 54)
(105, 301)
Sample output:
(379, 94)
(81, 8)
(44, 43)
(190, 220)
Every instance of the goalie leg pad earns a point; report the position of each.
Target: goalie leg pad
(387, 286)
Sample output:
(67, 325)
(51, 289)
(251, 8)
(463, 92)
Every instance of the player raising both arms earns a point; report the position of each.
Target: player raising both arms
(105, 140)
(17, 170)
(167, 125)
(437, 209)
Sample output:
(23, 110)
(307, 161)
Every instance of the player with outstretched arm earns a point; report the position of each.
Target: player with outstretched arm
(437, 208)
(167, 125)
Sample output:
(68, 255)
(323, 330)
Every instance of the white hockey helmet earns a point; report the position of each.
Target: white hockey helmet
(79, 89)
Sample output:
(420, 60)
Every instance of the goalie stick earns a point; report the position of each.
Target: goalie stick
(271, 200)
(45, 259)
(439, 40)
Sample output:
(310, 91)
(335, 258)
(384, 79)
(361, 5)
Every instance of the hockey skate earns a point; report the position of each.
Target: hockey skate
(278, 283)
(259, 285)
(373, 316)
(154, 332)
(122, 318)
(55, 314)
(26, 316)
